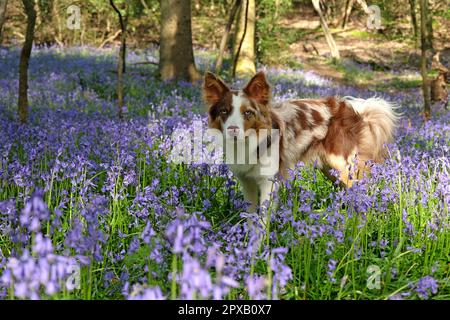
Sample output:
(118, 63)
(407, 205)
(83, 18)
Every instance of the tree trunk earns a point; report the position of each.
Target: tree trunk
(412, 5)
(120, 72)
(423, 59)
(429, 16)
(330, 41)
(347, 11)
(58, 33)
(123, 34)
(244, 44)
(3, 5)
(439, 90)
(176, 53)
(144, 5)
(363, 5)
(277, 8)
(24, 60)
(122, 55)
(226, 34)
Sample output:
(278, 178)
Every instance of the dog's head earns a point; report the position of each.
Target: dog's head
(235, 112)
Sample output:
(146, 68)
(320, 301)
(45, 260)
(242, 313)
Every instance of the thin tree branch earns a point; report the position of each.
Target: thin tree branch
(242, 40)
(122, 25)
(24, 60)
(225, 36)
(109, 39)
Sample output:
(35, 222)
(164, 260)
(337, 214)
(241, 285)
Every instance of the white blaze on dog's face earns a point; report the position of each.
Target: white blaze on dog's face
(235, 112)
(234, 124)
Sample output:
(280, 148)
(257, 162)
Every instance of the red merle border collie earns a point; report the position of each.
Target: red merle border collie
(334, 133)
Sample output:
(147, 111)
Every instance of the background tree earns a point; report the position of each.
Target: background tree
(364, 6)
(121, 65)
(226, 35)
(413, 5)
(24, 60)
(244, 43)
(3, 5)
(438, 85)
(347, 11)
(438, 89)
(429, 25)
(328, 36)
(424, 44)
(176, 52)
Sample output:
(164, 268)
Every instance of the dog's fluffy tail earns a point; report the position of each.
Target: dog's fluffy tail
(380, 119)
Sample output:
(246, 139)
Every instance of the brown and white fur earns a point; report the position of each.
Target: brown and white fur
(330, 132)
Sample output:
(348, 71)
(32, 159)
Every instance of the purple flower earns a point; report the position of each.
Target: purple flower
(35, 212)
(148, 233)
(281, 272)
(28, 275)
(426, 286)
(195, 281)
(186, 232)
(139, 292)
(331, 267)
(256, 286)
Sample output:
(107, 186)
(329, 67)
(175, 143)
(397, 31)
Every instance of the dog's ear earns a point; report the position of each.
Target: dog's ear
(213, 89)
(259, 89)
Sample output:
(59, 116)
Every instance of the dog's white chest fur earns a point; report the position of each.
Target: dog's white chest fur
(253, 183)
(246, 166)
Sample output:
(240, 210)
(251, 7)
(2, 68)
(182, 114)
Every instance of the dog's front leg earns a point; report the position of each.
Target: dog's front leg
(250, 190)
(265, 188)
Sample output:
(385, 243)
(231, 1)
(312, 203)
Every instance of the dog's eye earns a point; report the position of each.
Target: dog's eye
(223, 112)
(248, 113)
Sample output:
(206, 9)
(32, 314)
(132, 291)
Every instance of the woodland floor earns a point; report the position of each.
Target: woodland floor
(390, 58)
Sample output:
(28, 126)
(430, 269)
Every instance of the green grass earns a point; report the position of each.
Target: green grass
(401, 83)
(351, 72)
